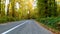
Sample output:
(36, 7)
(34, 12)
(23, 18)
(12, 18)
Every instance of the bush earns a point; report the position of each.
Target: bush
(8, 19)
(51, 21)
(3, 19)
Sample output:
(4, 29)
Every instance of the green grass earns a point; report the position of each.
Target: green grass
(51, 22)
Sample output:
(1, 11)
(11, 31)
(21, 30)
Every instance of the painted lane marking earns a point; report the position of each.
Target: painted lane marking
(14, 28)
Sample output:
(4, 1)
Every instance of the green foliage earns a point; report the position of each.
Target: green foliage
(5, 19)
(58, 9)
(2, 8)
(47, 8)
(50, 22)
(48, 12)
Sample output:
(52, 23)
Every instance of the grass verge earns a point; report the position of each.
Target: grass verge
(51, 23)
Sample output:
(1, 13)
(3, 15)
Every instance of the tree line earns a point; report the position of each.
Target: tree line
(44, 8)
(47, 8)
(25, 6)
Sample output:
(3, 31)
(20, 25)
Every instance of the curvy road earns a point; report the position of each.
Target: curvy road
(23, 27)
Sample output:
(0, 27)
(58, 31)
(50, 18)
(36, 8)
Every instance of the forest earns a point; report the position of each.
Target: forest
(46, 12)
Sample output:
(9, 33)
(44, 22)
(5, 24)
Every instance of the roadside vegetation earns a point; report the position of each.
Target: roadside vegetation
(52, 22)
(46, 12)
(49, 13)
(16, 10)
(6, 19)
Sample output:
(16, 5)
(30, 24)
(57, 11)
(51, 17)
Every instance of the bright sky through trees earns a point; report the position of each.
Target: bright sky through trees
(17, 5)
(58, 1)
(6, 3)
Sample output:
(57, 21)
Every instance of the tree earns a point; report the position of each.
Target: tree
(2, 8)
(58, 9)
(47, 8)
(24, 7)
(11, 8)
(52, 8)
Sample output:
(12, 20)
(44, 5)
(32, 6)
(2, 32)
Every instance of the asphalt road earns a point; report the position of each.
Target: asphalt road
(23, 27)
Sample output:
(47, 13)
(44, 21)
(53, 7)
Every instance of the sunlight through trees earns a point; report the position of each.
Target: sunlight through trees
(24, 9)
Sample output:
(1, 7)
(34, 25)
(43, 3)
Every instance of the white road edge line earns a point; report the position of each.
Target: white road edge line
(14, 28)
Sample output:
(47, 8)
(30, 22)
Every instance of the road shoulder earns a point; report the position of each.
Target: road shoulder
(50, 29)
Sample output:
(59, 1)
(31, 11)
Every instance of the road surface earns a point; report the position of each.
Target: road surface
(23, 27)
